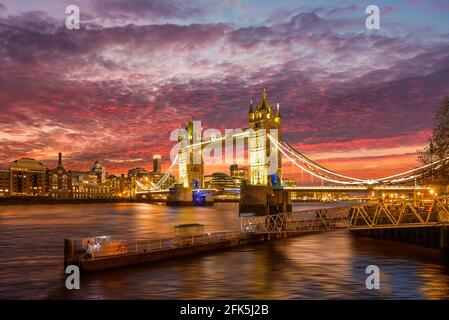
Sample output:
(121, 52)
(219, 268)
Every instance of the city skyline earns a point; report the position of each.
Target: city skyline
(358, 101)
(229, 157)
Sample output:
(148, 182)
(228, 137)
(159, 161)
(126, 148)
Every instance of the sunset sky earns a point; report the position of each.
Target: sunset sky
(358, 101)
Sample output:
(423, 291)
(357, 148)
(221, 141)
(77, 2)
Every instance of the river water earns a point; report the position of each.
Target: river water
(315, 266)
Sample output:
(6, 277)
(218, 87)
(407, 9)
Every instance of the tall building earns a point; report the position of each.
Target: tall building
(157, 163)
(238, 174)
(117, 185)
(100, 171)
(58, 181)
(5, 183)
(27, 178)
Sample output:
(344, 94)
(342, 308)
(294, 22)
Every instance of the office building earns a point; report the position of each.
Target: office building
(58, 181)
(27, 178)
(5, 183)
(219, 180)
(238, 174)
(157, 163)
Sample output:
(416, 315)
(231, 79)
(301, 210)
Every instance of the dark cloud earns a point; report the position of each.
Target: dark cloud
(116, 93)
(309, 22)
(342, 10)
(153, 9)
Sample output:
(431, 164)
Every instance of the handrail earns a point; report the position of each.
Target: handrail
(157, 245)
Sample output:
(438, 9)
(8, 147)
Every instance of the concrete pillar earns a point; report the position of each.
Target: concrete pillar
(255, 199)
(179, 196)
(263, 200)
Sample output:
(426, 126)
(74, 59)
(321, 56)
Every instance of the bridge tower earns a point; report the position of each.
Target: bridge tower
(191, 164)
(191, 167)
(263, 194)
(263, 121)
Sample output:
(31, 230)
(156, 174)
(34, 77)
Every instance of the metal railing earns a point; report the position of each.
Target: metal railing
(303, 221)
(400, 214)
(156, 245)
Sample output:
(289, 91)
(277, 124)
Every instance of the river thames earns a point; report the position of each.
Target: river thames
(315, 266)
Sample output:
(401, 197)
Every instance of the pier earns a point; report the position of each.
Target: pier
(115, 253)
(424, 223)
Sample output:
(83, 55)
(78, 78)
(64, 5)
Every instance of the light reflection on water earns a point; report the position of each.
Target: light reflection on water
(322, 265)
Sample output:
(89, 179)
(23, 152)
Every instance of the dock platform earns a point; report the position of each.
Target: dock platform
(115, 253)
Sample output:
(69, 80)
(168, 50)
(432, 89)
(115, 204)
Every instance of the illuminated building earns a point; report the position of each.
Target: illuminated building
(118, 185)
(156, 175)
(98, 169)
(58, 181)
(85, 185)
(219, 180)
(5, 183)
(151, 178)
(289, 183)
(138, 173)
(27, 178)
(238, 174)
(157, 163)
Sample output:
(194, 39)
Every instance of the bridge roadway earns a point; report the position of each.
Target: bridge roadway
(355, 188)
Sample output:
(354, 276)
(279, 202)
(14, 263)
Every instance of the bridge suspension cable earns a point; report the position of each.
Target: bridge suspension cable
(303, 158)
(305, 162)
(281, 149)
(244, 133)
(162, 180)
(414, 170)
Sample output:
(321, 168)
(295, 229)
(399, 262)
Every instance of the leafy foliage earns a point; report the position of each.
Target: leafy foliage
(438, 147)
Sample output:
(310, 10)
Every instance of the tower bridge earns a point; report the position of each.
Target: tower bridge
(264, 193)
(265, 205)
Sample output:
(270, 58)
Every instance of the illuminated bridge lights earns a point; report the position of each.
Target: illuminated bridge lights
(341, 182)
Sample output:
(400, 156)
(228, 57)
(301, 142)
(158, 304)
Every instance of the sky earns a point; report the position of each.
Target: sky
(358, 101)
